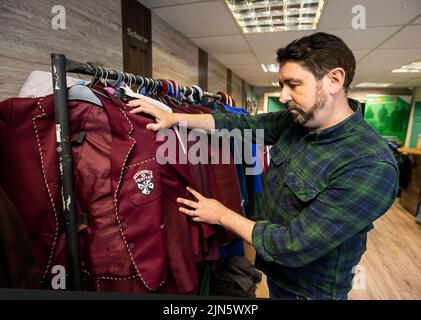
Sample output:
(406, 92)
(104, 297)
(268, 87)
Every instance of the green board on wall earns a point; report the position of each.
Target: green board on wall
(416, 125)
(389, 116)
(274, 105)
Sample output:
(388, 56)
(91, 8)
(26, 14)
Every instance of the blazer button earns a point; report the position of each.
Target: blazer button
(131, 246)
(162, 226)
(124, 225)
(296, 189)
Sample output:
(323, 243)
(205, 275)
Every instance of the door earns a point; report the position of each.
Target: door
(137, 38)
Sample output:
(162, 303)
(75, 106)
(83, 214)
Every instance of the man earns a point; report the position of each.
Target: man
(331, 175)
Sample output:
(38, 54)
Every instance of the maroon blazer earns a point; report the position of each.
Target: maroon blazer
(135, 237)
(18, 267)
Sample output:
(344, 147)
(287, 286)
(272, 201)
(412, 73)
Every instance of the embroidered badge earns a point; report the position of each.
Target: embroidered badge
(144, 181)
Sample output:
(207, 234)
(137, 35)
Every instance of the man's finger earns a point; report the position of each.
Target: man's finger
(188, 212)
(195, 193)
(187, 202)
(153, 126)
(136, 110)
(134, 103)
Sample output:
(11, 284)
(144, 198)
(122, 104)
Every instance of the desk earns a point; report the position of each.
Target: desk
(411, 195)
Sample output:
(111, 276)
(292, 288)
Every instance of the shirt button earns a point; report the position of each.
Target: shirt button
(162, 226)
(131, 245)
(124, 225)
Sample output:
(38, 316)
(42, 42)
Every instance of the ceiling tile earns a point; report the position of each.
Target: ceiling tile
(259, 83)
(397, 77)
(270, 42)
(367, 39)
(410, 83)
(199, 19)
(162, 3)
(338, 13)
(266, 58)
(360, 79)
(374, 69)
(360, 53)
(408, 38)
(248, 69)
(237, 59)
(393, 55)
(223, 45)
(417, 21)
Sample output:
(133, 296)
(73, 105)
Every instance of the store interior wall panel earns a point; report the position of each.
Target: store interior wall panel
(174, 56)
(27, 37)
(217, 75)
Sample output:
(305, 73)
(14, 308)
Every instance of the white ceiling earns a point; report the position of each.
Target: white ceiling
(392, 37)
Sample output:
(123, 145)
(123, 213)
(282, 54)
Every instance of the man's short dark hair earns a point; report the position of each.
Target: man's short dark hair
(320, 53)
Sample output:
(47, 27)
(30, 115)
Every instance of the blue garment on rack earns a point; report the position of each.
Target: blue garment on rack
(257, 166)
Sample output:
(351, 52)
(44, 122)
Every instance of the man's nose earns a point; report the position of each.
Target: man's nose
(285, 96)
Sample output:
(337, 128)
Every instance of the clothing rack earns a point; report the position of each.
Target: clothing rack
(60, 66)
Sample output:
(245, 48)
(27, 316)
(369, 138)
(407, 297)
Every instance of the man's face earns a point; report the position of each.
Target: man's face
(301, 92)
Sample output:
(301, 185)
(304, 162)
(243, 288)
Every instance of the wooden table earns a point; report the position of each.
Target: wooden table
(411, 195)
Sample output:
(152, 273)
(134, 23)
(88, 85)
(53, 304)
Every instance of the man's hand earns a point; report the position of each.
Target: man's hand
(163, 119)
(213, 212)
(166, 120)
(204, 210)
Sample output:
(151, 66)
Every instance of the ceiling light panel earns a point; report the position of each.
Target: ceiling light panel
(373, 85)
(274, 68)
(412, 67)
(276, 15)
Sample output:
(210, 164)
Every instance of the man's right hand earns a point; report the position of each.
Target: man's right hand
(163, 119)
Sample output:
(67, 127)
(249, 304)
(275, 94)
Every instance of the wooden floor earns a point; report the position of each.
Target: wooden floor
(392, 262)
(391, 267)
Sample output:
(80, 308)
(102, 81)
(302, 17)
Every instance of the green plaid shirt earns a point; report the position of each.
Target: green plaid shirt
(321, 194)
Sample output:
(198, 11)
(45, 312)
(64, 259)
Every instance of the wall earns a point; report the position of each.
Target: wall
(416, 97)
(92, 34)
(27, 38)
(236, 90)
(217, 75)
(360, 94)
(357, 94)
(174, 56)
(261, 91)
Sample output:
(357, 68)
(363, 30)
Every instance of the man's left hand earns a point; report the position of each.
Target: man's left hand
(204, 209)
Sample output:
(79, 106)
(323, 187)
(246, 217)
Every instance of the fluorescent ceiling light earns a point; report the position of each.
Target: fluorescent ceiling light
(270, 67)
(264, 68)
(276, 15)
(373, 85)
(412, 67)
(275, 84)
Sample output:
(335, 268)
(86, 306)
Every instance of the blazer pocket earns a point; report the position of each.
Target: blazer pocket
(143, 183)
(302, 188)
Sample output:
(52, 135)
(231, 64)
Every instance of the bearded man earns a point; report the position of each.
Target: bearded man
(330, 174)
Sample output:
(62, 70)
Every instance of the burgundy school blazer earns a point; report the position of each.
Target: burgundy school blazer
(135, 239)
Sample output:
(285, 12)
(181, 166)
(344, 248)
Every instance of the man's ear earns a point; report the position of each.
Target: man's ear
(337, 79)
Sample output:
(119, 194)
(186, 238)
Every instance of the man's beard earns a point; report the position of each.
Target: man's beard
(302, 117)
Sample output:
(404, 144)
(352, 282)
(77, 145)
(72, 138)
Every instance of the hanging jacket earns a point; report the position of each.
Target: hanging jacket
(18, 267)
(137, 240)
